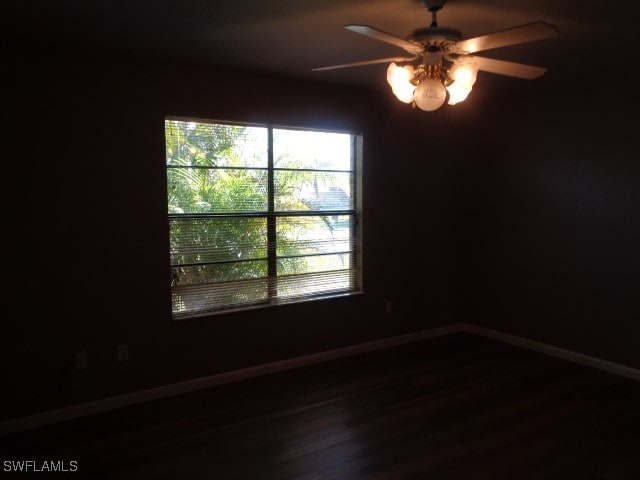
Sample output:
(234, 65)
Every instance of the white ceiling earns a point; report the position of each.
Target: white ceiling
(293, 36)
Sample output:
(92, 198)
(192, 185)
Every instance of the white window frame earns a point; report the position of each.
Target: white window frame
(209, 302)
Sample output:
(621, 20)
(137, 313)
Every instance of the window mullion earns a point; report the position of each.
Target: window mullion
(272, 266)
(233, 244)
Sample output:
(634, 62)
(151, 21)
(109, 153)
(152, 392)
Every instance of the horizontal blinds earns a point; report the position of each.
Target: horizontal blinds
(223, 204)
(204, 299)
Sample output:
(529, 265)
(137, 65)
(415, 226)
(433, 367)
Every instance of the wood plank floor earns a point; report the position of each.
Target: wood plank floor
(454, 407)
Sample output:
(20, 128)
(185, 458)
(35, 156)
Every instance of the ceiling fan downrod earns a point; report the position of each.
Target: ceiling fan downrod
(433, 6)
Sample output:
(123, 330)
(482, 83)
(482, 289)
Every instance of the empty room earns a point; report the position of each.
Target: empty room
(311, 240)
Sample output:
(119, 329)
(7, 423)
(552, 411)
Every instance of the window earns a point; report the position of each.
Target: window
(259, 216)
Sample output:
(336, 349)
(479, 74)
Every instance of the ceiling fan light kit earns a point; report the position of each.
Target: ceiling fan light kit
(446, 68)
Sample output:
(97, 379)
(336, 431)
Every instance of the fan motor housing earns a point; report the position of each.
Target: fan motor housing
(435, 37)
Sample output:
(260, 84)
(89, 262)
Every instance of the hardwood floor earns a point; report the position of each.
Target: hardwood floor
(454, 407)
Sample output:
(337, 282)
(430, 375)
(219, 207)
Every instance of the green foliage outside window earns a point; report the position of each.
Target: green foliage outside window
(218, 180)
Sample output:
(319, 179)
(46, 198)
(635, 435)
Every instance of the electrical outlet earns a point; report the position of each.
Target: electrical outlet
(388, 307)
(82, 360)
(123, 352)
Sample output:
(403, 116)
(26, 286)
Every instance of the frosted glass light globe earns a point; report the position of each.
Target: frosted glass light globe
(404, 93)
(430, 94)
(464, 70)
(400, 80)
(458, 91)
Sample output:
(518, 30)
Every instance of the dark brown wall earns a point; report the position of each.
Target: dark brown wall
(88, 250)
(554, 224)
(513, 212)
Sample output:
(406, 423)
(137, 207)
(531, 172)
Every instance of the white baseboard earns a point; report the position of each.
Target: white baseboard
(111, 403)
(547, 349)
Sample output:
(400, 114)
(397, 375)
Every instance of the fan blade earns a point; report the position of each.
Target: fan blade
(386, 37)
(511, 36)
(512, 69)
(367, 62)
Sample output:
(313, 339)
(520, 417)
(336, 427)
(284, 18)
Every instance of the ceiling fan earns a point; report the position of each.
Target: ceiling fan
(447, 64)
